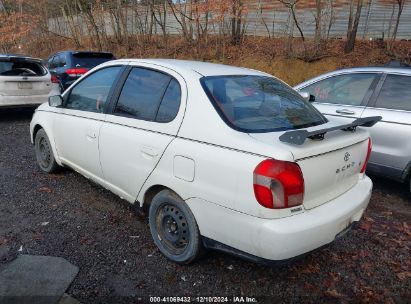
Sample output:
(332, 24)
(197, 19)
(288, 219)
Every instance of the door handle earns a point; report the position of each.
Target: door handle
(149, 151)
(345, 111)
(91, 135)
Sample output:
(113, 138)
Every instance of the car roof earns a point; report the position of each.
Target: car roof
(9, 56)
(368, 69)
(383, 69)
(202, 68)
(76, 52)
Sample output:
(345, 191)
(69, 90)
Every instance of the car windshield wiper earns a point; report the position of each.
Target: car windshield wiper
(298, 137)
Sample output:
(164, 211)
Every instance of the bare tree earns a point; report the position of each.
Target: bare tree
(318, 13)
(400, 4)
(291, 5)
(237, 22)
(353, 25)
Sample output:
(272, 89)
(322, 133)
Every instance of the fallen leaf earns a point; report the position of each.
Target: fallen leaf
(3, 240)
(45, 189)
(404, 275)
(37, 236)
(334, 294)
(365, 226)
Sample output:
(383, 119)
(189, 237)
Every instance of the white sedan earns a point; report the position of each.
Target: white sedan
(223, 157)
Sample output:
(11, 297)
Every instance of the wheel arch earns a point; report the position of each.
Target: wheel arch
(38, 126)
(149, 194)
(406, 175)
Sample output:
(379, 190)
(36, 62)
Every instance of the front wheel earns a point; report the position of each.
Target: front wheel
(44, 152)
(174, 228)
(409, 187)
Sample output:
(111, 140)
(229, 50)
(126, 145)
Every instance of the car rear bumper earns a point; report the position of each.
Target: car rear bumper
(284, 238)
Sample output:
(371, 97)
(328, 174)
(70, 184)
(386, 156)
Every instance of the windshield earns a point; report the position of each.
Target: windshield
(21, 67)
(90, 60)
(255, 104)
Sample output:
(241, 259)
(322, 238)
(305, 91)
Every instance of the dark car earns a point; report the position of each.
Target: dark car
(68, 66)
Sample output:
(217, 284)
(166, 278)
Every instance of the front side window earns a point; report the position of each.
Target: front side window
(259, 104)
(347, 89)
(142, 93)
(395, 93)
(91, 93)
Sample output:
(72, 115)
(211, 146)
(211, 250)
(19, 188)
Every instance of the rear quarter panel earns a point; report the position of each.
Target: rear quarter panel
(222, 176)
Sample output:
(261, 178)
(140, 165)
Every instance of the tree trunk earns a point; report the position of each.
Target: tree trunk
(353, 26)
(317, 35)
(397, 22)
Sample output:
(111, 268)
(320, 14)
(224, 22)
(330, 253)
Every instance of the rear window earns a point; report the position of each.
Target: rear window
(21, 67)
(256, 104)
(90, 60)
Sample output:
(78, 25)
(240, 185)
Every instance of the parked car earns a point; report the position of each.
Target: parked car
(24, 81)
(68, 66)
(348, 94)
(224, 157)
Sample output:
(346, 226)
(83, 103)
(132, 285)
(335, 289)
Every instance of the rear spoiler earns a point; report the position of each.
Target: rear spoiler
(298, 137)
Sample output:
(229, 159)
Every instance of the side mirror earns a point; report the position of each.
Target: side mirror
(55, 101)
(307, 96)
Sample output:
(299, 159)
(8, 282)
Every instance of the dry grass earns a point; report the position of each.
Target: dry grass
(263, 54)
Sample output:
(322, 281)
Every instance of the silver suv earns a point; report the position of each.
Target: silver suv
(348, 94)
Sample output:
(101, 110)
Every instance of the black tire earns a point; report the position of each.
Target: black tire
(174, 228)
(44, 153)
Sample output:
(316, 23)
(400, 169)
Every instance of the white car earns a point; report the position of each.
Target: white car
(224, 157)
(24, 81)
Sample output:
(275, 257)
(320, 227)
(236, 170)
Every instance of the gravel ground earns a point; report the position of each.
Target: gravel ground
(65, 215)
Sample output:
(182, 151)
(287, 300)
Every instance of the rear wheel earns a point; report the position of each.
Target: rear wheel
(44, 152)
(174, 228)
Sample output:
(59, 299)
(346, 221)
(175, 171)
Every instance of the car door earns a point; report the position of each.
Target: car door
(78, 126)
(392, 135)
(144, 120)
(343, 96)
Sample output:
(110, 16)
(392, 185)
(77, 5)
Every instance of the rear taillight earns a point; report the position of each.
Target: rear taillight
(54, 79)
(278, 184)
(364, 166)
(76, 72)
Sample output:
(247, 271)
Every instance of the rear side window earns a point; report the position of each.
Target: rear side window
(347, 89)
(142, 93)
(170, 104)
(21, 67)
(259, 104)
(61, 61)
(395, 93)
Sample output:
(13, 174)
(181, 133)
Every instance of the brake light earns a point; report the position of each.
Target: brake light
(76, 72)
(367, 158)
(278, 184)
(54, 79)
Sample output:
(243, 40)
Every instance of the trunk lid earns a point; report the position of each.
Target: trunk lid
(25, 85)
(330, 166)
